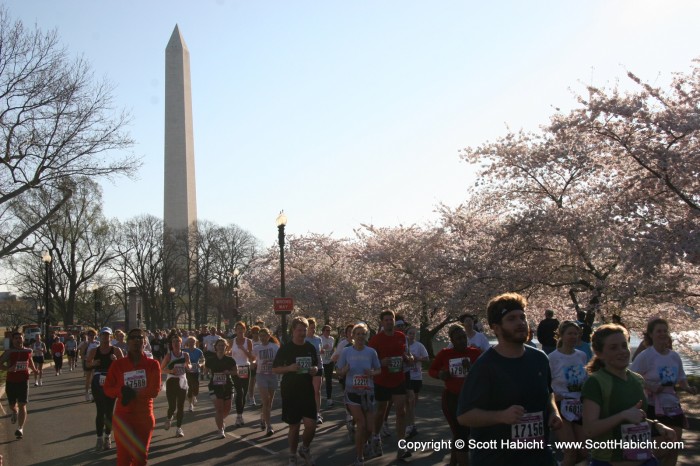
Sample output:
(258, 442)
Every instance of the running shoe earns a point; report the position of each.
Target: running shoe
(292, 460)
(329, 403)
(179, 432)
(107, 445)
(402, 453)
(168, 422)
(239, 420)
(305, 454)
(270, 432)
(13, 418)
(191, 407)
(36, 384)
(100, 445)
(385, 432)
(90, 397)
(262, 425)
(19, 434)
(319, 419)
(359, 462)
(251, 401)
(41, 382)
(222, 434)
(377, 446)
(412, 433)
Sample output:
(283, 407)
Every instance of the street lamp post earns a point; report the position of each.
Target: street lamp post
(171, 306)
(40, 317)
(46, 258)
(97, 305)
(281, 223)
(235, 316)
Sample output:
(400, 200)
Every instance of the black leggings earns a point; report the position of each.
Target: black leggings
(105, 408)
(240, 386)
(193, 384)
(328, 374)
(175, 394)
(58, 362)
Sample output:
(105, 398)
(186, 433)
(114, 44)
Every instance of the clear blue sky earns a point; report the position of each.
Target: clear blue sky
(345, 113)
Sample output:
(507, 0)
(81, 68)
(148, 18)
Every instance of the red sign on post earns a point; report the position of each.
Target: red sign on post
(283, 305)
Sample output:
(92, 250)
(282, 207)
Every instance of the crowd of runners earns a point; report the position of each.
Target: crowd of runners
(505, 404)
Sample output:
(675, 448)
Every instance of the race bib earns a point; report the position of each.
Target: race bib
(178, 369)
(395, 364)
(58, 354)
(456, 368)
(416, 371)
(304, 364)
(243, 372)
(360, 382)
(103, 377)
(219, 378)
(571, 409)
(636, 433)
(530, 427)
(21, 366)
(135, 379)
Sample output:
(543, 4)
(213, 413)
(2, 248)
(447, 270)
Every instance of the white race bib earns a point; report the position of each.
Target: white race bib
(135, 379)
(530, 427)
(571, 409)
(360, 382)
(636, 433)
(243, 372)
(58, 354)
(21, 366)
(179, 369)
(103, 377)
(457, 368)
(219, 378)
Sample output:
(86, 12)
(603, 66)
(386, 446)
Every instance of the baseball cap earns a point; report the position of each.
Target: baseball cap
(106, 330)
(400, 322)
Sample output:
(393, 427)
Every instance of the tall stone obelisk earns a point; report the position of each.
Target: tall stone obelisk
(180, 195)
(180, 202)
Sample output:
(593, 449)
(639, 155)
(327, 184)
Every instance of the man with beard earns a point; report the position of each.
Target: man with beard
(507, 400)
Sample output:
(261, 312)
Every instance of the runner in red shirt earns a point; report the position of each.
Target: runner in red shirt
(17, 361)
(57, 350)
(135, 381)
(452, 365)
(390, 346)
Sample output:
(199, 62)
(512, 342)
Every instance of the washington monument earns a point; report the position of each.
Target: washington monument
(180, 194)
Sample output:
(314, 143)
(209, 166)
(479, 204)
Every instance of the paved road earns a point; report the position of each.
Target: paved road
(60, 431)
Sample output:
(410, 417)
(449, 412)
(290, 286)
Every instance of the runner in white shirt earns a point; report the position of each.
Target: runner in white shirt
(414, 380)
(327, 343)
(662, 370)
(265, 353)
(567, 366)
(342, 344)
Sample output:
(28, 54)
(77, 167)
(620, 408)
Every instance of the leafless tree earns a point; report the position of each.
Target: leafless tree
(57, 123)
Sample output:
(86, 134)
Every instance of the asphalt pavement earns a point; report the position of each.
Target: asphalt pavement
(60, 430)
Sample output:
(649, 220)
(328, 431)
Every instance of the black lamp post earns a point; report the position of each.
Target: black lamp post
(96, 306)
(46, 258)
(171, 306)
(281, 223)
(235, 317)
(40, 317)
